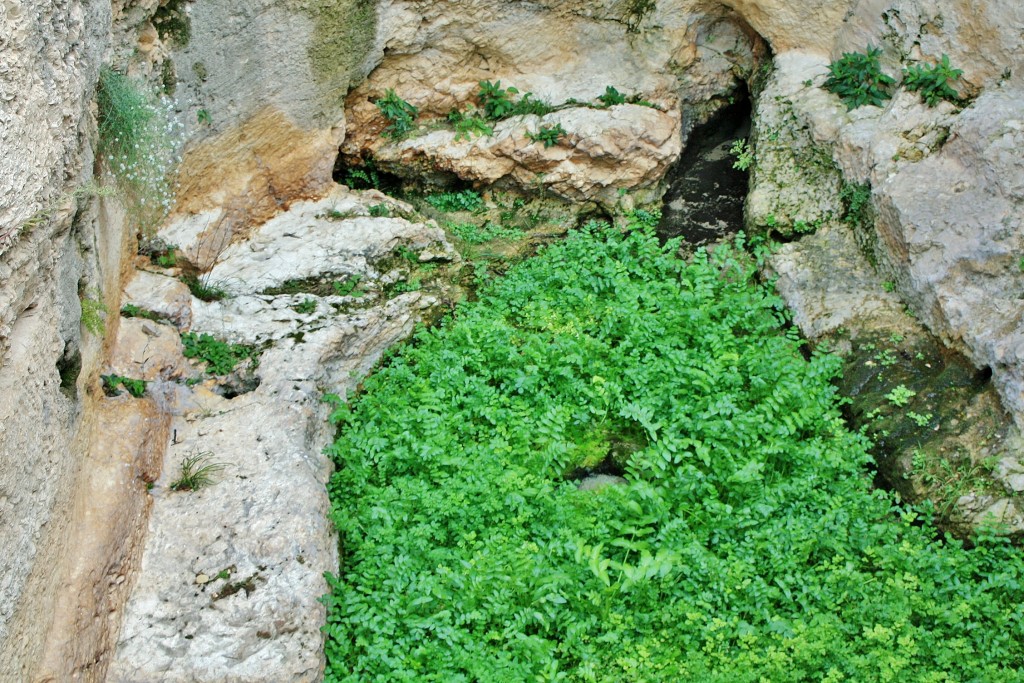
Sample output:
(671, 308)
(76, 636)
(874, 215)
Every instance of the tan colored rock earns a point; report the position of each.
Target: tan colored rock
(111, 507)
(148, 350)
(626, 147)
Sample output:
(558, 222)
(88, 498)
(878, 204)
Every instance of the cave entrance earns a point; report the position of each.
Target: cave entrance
(704, 200)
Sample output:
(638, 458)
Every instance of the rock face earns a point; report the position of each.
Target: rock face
(685, 56)
(232, 573)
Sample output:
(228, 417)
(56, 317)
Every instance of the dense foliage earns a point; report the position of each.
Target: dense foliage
(932, 81)
(858, 79)
(748, 544)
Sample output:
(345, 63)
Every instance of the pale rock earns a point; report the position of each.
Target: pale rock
(625, 147)
(165, 296)
(596, 482)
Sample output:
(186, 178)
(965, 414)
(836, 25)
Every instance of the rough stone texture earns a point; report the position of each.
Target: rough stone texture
(261, 85)
(49, 59)
(110, 509)
(686, 55)
(165, 296)
(626, 147)
(149, 351)
(231, 574)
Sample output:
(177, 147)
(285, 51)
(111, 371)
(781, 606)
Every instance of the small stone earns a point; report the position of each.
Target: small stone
(202, 579)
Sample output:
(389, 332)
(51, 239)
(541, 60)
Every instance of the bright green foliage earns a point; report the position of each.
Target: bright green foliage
(743, 153)
(467, 124)
(112, 385)
(748, 545)
(471, 233)
(933, 81)
(400, 114)
(305, 307)
(220, 357)
(197, 472)
(93, 312)
(858, 79)
(465, 200)
(499, 103)
(900, 395)
(549, 135)
(347, 287)
(611, 97)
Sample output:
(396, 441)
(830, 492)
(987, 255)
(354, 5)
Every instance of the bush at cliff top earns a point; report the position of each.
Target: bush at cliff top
(748, 544)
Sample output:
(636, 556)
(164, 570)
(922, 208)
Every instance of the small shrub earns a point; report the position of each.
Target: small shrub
(467, 124)
(466, 200)
(858, 80)
(932, 82)
(611, 97)
(307, 306)
(140, 141)
(112, 385)
(220, 357)
(499, 103)
(399, 113)
(380, 210)
(202, 289)
(743, 153)
(197, 472)
(549, 135)
(93, 310)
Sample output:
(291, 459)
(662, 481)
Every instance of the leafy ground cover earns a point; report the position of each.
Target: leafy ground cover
(748, 544)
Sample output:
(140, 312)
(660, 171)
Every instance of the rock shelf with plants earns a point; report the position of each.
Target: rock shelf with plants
(747, 544)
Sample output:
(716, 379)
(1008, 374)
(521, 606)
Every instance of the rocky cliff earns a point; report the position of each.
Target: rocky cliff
(98, 550)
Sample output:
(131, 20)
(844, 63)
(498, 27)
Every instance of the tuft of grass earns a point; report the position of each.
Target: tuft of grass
(202, 289)
(197, 472)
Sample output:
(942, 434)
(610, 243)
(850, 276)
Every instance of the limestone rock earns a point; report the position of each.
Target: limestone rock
(167, 297)
(626, 147)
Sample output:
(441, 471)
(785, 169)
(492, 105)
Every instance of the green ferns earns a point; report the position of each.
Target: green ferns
(748, 545)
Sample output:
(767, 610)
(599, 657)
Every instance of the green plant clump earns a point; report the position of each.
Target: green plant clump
(500, 103)
(858, 79)
(748, 544)
(400, 114)
(464, 200)
(611, 97)
(471, 233)
(112, 385)
(139, 140)
(220, 357)
(202, 289)
(467, 124)
(743, 153)
(197, 472)
(932, 82)
(549, 135)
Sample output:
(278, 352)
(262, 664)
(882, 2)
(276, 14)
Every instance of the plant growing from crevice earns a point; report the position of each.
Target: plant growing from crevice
(197, 472)
(467, 124)
(112, 385)
(858, 80)
(548, 135)
(400, 114)
(611, 97)
(500, 103)
(744, 155)
(139, 140)
(220, 357)
(203, 289)
(933, 82)
(463, 200)
(93, 312)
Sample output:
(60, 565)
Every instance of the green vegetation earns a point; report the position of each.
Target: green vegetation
(133, 311)
(220, 357)
(900, 395)
(549, 135)
(500, 103)
(112, 385)
(197, 472)
(743, 153)
(932, 82)
(448, 202)
(348, 286)
(380, 210)
(747, 546)
(93, 311)
(203, 289)
(858, 79)
(138, 139)
(611, 97)
(471, 233)
(467, 124)
(400, 114)
(306, 307)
